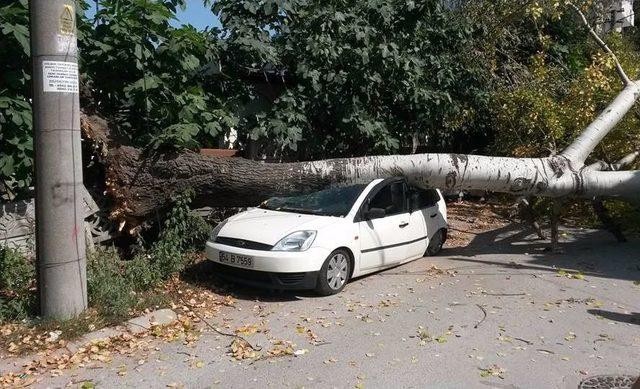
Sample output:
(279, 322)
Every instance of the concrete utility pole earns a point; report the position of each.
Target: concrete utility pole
(60, 241)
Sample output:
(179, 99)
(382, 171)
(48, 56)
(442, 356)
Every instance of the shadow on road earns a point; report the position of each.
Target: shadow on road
(203, 275)
(591, 252)
(631, 318)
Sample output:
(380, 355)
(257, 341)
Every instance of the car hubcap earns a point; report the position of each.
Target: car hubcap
(337, 271)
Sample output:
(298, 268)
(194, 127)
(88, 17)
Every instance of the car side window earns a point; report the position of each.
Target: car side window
(391, 198)
(423, 198)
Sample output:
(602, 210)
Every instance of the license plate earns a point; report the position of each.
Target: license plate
(236, 260)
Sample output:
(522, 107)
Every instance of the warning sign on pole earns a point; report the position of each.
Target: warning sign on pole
(59, 76)
(67, 20)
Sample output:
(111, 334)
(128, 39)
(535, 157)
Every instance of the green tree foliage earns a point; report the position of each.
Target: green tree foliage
(147, 75)
(17, 273)
(143, 74)
(344, 77)
(366, 75)
(552, 80)
(16, 145)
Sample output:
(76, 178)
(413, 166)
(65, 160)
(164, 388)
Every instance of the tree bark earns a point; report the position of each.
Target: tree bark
(142, 184)
(598, 205)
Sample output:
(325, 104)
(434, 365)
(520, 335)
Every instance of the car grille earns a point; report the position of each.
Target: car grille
(290, 278)
(250, 275)
(242, 243)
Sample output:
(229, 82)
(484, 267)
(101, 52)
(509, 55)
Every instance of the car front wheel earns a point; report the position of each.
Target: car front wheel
(436, 242)
(334, 274)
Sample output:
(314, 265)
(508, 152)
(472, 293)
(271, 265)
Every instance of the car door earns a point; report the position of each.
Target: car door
(430, 211)
(417, 225)
(384, 240)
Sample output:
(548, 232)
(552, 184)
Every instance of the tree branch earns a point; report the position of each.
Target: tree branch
(623, 162)
(614, 184)
(599, 166)
(603, 45)
(580, 149)
(626, 160)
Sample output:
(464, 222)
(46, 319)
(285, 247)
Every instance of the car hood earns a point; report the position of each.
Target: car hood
(266, 226)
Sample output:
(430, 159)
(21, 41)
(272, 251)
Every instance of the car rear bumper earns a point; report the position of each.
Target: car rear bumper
(267, 280)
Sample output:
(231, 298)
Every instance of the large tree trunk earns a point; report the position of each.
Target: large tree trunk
(140, 185)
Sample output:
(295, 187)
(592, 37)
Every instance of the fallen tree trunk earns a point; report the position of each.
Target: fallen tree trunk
(141, 184)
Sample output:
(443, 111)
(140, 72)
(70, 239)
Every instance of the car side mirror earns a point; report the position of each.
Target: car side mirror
(375, 213)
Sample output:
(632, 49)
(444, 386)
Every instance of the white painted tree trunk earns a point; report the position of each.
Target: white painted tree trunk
(140, 186)
(558, 176)
(580, 149)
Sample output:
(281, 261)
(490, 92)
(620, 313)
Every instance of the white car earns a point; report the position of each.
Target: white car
(321, 240)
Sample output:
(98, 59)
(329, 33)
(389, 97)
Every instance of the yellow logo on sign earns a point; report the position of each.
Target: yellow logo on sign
(67, 20)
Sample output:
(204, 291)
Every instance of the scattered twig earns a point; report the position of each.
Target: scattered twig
(524, 340)
(236, 336)
(545, 351)
(484, 312)
(504, 294)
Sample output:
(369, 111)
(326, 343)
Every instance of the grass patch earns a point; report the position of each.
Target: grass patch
(17, 285)
(117, 288)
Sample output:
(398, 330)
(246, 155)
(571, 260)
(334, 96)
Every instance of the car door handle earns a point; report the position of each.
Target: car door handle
(434, 215)
(403, 224)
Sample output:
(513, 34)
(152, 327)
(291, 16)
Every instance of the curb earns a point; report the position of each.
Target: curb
(132, 326)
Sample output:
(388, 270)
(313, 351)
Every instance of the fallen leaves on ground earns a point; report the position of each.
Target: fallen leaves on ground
(191, 304)
(572, 275)
(284, 348)
(425, 337)
(311, 336)
(247, 330)
(492, 371)
(590, 302)
(241, 349)
(93, 352)
(22, 338)
(436, 271)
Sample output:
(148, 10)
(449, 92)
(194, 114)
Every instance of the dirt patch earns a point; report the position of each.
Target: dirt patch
(467, 219)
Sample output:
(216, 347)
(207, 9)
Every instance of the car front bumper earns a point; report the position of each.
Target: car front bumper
(271, 269)
(267, 280)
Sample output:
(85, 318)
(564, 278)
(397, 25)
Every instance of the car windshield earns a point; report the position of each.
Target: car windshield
(328, 202)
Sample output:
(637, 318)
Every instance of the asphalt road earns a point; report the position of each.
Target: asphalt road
(499, 313)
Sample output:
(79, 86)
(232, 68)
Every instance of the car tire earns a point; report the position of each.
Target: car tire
(334, 274)
(436, 242)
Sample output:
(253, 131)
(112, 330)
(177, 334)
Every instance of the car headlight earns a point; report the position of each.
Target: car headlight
(216, 231)
(296, 241)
